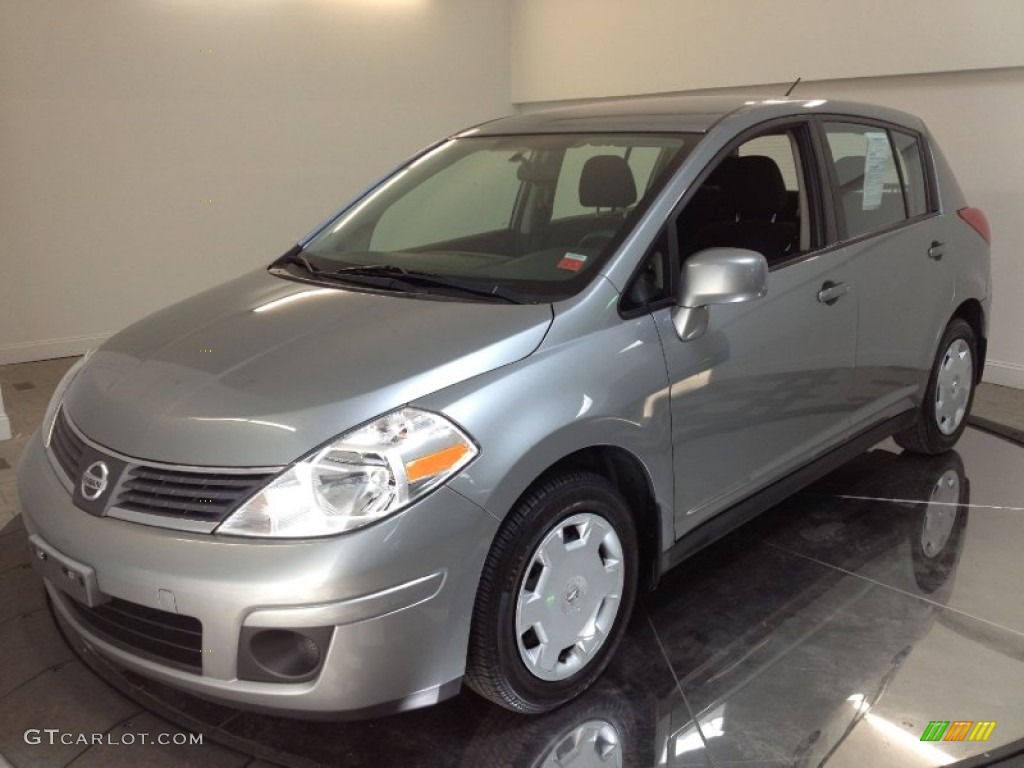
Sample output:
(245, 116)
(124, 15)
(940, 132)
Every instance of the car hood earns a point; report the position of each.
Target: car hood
(260, 370)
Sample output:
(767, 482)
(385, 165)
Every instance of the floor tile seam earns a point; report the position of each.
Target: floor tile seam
(758, 762)
(14, 567)
(850, 497)
(90, 747)
(37, 675)
(152, 705)
(679, 687)
(784, 761)
(22, 615)
(905, 593)
(144, 698)
(194, 725)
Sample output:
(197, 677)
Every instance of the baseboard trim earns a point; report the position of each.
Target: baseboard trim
(1004, 374)
(30, 351)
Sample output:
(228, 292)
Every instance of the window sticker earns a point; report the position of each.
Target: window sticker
(572, 261)
(876, 163)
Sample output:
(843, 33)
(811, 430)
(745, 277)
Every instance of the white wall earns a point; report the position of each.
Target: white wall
(149, 148)
(975, 114)
(976, 119)
(571, 49)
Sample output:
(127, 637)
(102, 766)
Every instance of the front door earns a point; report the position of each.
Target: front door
(767, 387)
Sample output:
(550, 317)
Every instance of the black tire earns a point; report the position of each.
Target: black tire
(495, 668)
(925, 436)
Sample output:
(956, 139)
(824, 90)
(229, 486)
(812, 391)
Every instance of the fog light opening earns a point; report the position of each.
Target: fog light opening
(285, 653)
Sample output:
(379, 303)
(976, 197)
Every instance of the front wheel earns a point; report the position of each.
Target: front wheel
(950, 393)
(555, 595)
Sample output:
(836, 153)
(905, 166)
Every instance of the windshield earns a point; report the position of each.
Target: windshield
(532, 216)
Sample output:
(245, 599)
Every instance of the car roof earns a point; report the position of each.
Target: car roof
(676, 114)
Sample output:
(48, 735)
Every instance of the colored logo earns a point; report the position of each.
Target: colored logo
(958, 730)
(94, 480)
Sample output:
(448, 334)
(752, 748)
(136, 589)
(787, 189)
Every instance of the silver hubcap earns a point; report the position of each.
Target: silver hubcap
(590, 745)
(953, 387)
(569, 596)
(941, 514)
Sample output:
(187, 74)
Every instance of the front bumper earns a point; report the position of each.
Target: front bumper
(398, 596)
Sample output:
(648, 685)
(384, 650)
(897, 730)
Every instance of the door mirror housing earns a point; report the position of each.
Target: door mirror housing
(717, 276)
(723, 276)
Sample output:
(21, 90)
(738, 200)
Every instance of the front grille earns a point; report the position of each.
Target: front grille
(193, 495)
(67, 447)
(159, 635)
(190, 494)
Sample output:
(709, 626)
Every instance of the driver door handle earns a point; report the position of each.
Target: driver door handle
(831, 292)
(937, 250)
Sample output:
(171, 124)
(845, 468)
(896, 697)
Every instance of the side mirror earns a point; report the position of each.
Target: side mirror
(717, 276)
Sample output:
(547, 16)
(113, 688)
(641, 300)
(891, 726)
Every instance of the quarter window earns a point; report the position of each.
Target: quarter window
(908, 154)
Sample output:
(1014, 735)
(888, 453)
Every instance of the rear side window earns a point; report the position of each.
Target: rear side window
(870, 191)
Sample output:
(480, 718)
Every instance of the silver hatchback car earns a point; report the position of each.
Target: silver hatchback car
(448, 436)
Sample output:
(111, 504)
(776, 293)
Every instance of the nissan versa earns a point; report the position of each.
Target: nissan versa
(448, 436)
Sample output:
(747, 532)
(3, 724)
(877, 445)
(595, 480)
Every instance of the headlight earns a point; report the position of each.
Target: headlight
(363, 476)
(50, 415)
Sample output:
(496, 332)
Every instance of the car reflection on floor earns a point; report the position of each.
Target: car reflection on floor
(817, 655)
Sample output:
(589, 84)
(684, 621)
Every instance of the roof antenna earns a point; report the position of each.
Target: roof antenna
(793, 86)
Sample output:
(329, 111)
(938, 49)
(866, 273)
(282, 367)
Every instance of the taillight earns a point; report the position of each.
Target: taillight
(979, 223)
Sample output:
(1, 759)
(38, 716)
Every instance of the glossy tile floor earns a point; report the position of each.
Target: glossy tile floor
(831, 631)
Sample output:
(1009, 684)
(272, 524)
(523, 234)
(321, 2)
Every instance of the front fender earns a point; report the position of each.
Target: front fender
(605, 388)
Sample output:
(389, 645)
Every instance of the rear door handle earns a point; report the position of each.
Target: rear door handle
(937, 250)
(831, 292)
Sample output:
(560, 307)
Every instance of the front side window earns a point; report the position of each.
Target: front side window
(754, 198)
(531, 214)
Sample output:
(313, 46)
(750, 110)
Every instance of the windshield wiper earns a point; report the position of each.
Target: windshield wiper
(401, 275)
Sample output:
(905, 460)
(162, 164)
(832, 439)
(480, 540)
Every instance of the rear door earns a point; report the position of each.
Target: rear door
(888, 220)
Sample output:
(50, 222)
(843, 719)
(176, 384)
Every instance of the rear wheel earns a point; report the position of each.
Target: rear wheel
(950, 393)
(555, 594)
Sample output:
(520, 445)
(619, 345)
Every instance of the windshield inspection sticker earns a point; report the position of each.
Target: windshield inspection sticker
(572, 261)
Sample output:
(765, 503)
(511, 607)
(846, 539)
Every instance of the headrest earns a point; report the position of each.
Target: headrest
(758, 188)
(721, 177)
(607, 182)
(850, 172)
